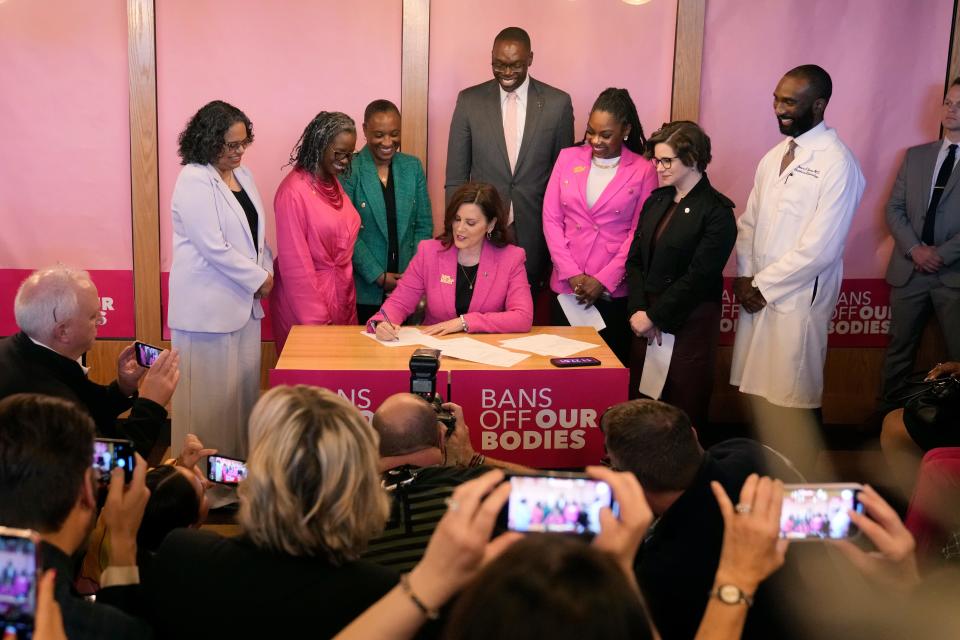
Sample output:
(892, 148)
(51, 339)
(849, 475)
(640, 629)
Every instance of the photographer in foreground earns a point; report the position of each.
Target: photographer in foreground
(422, 461)
(461, 545)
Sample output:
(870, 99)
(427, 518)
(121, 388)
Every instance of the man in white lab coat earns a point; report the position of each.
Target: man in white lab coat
(790, 248)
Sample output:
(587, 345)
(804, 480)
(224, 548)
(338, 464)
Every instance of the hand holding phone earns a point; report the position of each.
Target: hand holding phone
(19, 570)
(224, 470)
(819, 511)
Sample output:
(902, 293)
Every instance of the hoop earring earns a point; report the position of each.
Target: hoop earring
(489, 234)
(625, 138)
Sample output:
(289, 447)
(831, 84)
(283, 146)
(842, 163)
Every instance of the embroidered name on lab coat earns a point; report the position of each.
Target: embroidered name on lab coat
(807, 171)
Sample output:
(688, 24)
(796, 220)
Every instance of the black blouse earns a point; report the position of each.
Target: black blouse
(253, 219)
(466, 279)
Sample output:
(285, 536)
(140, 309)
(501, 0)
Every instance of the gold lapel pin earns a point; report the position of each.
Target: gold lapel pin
(445, 279)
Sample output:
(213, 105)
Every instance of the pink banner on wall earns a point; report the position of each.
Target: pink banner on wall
(280, 64)
(861, 318)
(579, 47)
(538, 418)
(365, 389)
(115, 289)
(887, 59)
(65, 165)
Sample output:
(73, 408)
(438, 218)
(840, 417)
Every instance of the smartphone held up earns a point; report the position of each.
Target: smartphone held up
(819, 511)
(556, 503)
(19, 569)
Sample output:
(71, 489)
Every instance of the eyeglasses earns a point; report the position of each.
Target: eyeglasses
(516, 67)
(664, 162)
(235, 146)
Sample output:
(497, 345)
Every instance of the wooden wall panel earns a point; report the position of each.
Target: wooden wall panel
(688, 59)
(415, 64)
(144, 178)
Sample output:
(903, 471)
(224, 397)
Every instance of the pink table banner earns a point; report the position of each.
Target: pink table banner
(365, 389)
(546, 419)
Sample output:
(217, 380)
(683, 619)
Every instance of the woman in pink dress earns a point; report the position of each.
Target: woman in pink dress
(316, 230)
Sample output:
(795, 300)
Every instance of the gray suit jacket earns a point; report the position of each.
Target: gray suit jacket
(907, 209)
(476, 150)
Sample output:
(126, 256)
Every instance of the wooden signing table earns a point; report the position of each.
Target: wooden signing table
(532, 413)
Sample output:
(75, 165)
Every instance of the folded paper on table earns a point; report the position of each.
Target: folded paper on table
(579, 315)
(656, 365)
(462, 348)
(409, 337)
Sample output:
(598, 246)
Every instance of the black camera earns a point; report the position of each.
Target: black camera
(424, 364)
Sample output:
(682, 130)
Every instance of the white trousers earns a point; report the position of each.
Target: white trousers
(219, 384)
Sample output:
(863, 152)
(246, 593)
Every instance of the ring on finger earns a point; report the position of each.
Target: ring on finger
(742, 508)
(452, 504)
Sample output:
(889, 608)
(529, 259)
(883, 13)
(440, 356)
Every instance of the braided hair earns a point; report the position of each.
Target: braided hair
(618, 103)
(307, 154)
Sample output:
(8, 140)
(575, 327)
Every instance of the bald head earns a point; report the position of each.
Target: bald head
(406, 424)
(58, 306)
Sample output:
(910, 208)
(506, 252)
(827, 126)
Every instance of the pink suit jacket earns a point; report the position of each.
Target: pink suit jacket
(594, 240)
(501, 300)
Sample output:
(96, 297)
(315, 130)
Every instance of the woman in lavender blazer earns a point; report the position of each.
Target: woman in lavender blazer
(474, 281)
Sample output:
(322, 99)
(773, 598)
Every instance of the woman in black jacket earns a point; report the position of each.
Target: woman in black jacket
(675, 268)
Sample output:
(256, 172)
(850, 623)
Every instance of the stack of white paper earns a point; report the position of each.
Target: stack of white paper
(461, 348)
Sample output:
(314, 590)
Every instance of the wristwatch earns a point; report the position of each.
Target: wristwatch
(731, 594)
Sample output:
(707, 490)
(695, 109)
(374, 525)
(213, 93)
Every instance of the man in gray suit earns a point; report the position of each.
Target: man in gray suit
(517, 159)
(924, 217)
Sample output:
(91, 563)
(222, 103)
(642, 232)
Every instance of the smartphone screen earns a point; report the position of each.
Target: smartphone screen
(109, 453)
(18, 582)
(819, 512)
(226, 470)
(146, 353)
(557, 504)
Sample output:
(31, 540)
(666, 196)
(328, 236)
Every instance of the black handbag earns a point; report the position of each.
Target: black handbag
(932, 415)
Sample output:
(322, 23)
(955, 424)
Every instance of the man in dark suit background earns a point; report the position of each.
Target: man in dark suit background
(516, 159)
(924, 217)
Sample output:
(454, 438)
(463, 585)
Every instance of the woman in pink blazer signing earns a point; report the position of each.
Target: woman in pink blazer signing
(473, 279)
(590, 212)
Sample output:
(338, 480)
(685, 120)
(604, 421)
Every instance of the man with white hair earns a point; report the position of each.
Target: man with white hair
(58, 311)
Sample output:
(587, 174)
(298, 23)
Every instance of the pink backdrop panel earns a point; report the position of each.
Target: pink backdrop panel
(887, 59)
(281, 67)
(579, 47)
(65, 166)
(539, 419)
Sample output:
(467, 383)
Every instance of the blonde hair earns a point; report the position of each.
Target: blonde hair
(313, 487)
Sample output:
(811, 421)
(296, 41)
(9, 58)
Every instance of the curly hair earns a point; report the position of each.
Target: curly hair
(307, 154)
(688, 141)
(618, 103)
(201, 142)
(488, 199)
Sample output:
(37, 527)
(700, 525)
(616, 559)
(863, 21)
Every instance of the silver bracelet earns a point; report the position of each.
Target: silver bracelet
(463, 324)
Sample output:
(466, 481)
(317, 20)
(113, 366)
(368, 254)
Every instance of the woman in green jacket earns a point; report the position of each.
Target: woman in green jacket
(389, 190)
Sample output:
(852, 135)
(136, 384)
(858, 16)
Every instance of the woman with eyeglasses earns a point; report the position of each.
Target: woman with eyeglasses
(675, 268)
(222, 268)
(317, 228)
(590, 210)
